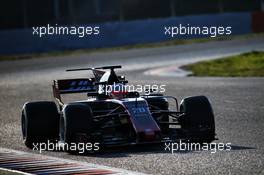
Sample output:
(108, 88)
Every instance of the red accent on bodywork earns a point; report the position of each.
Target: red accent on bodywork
(146, 127)
(149, 135)
(119, 92)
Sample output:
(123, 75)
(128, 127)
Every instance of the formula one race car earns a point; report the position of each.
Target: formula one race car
(113, 116)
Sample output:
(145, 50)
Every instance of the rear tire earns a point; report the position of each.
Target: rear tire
(40, 123)
(198, 120)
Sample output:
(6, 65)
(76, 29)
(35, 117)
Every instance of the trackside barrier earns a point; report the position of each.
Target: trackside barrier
(126, 33)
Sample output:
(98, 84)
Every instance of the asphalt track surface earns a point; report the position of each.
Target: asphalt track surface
(238, 105)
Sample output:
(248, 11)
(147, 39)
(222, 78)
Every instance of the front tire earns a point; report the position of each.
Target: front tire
(198, 120)
(77, 123)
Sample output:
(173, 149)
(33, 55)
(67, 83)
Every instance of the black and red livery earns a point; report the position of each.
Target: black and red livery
(115, 117)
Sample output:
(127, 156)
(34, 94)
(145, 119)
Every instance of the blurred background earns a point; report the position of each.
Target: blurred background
(122, 22)
(27, 13)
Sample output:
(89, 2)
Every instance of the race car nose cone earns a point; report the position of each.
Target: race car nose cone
(149, 135)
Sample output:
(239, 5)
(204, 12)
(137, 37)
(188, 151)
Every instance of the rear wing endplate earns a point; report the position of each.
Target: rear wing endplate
(69, 86)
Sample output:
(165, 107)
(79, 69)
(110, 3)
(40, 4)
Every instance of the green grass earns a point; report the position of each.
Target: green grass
(244, 65)
(136, 46)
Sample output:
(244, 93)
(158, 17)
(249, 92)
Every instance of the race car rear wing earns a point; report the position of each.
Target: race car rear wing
(69, 86)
